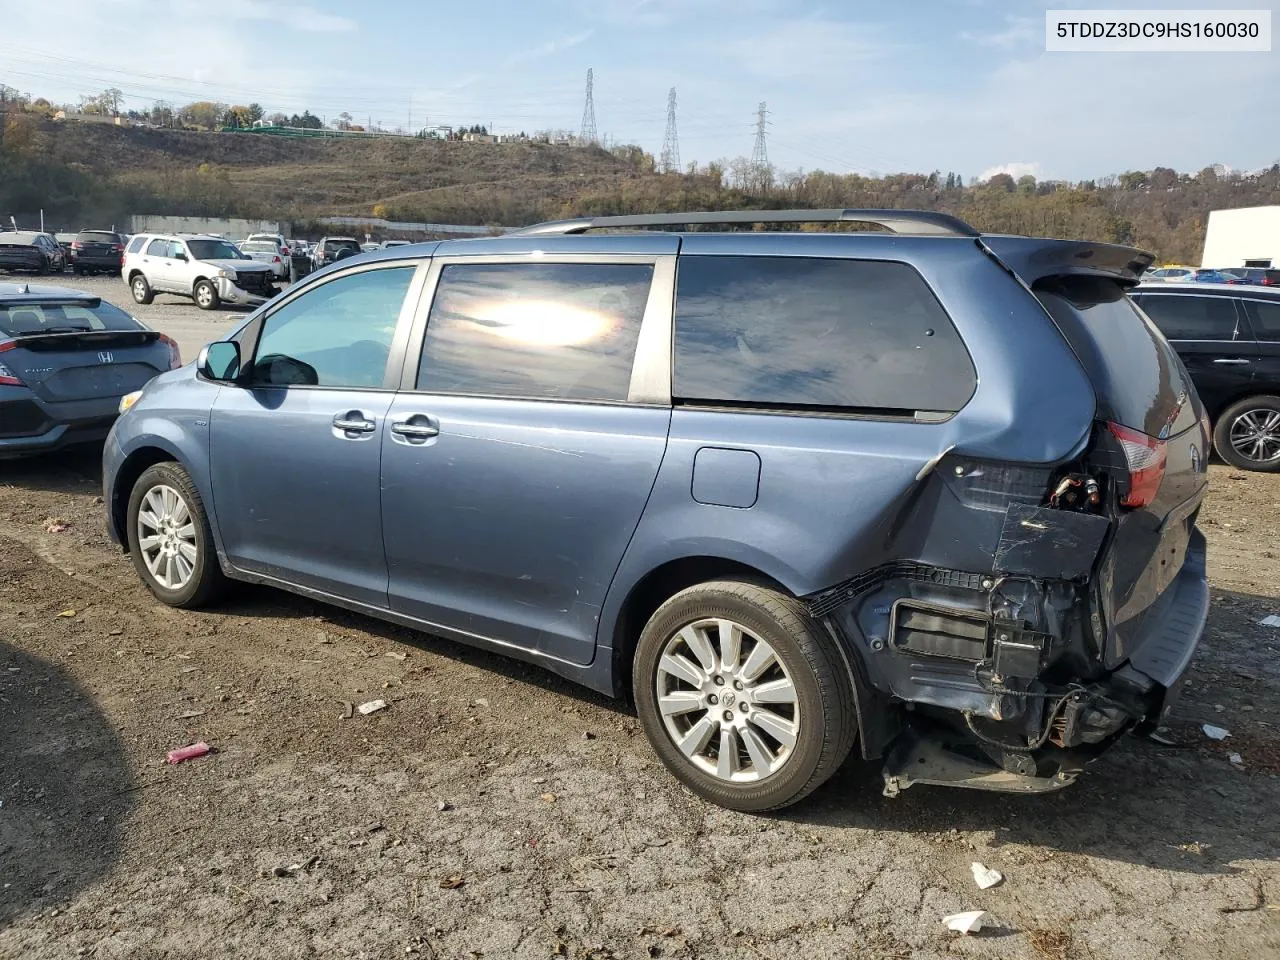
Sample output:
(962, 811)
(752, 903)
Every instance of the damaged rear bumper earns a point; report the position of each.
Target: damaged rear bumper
(990, 679)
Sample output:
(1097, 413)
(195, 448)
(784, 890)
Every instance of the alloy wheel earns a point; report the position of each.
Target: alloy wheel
(1255, 435)
(727, 701)
(167, 537)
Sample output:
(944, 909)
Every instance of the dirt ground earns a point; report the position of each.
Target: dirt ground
(496, 811)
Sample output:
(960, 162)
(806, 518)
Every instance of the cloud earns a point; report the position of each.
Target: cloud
(1015, 169)
(550, 47)
(297, 16)
(1016, 32)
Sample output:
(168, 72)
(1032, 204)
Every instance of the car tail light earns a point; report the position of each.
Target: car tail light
(275, 260)
(7, 377)
(1146, 457)
(117, 248)
(175, 355)
(77, 245)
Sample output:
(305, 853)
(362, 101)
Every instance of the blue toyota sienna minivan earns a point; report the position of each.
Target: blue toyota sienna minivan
(924, 491)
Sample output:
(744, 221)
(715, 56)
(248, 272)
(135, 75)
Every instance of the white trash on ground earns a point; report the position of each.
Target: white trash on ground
(984, 876)
(373, 706)
(1271, 621)
(968, 922)
(1215, 733)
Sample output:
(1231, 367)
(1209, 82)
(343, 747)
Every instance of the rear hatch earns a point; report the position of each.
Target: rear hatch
(1151, 440)
(81, 350)
(98, 246)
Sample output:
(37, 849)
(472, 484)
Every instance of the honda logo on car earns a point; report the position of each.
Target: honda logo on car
(105, 356)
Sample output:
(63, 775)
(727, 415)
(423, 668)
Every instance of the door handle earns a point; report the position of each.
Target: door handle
(1231, 361)
(353, 421)
(416, 429)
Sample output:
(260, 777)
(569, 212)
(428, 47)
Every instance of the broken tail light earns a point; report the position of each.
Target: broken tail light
(175, 355)
(7, 377)
(1146, 457)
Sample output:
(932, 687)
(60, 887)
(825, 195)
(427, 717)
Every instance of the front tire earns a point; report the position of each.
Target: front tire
(205, 295)
(1247, 434)
(742, 695)
(170, 540)
(141, 290)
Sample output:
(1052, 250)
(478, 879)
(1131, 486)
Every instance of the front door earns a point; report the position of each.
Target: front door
(295, 448)
(519, 459)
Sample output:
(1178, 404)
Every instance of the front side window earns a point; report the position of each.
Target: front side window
(562, 331)
(1184, 317)
(158, 248)
(337, 334)
(809, 332)
(176, 250)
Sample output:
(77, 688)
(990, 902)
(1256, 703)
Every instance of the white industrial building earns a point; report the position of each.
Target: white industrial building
(1247, 237)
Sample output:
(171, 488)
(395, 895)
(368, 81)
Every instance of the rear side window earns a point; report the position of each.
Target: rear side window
(1188, 317)
(136, 244)
(822, 333)
(1138, 379)
(29, 319)
(1264, 315)
(158, 248)
(562, 331)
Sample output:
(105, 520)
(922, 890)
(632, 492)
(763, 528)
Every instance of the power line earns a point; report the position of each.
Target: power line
(588, 133)
(671, 142)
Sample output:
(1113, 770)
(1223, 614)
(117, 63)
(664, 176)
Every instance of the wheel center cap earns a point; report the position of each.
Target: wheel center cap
(727, 698)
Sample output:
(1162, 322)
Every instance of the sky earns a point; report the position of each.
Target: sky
(851, 86)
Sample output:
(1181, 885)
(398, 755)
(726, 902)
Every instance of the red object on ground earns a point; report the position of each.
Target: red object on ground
(189, 752)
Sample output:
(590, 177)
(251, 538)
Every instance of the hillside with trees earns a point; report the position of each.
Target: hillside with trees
(81, 173)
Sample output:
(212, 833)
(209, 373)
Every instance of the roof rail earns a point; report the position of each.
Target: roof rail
(926, 222)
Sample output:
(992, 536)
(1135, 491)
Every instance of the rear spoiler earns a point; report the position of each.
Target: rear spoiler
(1031, 259)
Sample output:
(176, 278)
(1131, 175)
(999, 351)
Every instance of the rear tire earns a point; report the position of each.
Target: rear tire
(165, 508)
(141, 290)
(743, 736)
(205, 295)
(1247, 434)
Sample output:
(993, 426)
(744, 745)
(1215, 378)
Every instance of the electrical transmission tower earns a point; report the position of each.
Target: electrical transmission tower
(761, 172)
(588, 133)
(671, 142)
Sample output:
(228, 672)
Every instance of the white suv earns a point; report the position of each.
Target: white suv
(209, 270)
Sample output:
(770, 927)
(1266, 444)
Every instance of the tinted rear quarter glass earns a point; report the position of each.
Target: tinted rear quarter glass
(1137, 376)
(1191, 317)
(563, 331)
(803, 332)
(136, 244)
(1264, 317)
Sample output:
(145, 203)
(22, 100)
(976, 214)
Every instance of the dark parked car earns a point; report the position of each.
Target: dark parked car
(66, 359)
(1261, 276)
(97, 251)
(34, 252)
(1229, 338)
(332, 249)
(933, 493)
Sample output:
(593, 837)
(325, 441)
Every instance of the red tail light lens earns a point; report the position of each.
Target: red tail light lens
(77, 245)
(175, 355)
(1146, 457)
(7, 377)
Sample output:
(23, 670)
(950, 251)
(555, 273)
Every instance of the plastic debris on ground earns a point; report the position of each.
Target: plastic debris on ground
(984, 876)
(1236, 759)
(55, 525)
(189, 752)
(373, 706)
(1271, 621)
(1215, 733)
(969, 922)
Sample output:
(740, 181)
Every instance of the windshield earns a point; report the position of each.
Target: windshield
(213, 250)
(27, 319)
(333, 246)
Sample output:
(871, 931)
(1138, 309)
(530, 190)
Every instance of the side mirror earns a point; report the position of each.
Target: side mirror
(220, 361)
(180, 256)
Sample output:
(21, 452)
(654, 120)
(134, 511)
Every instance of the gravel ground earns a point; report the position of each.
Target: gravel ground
(496, 811)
